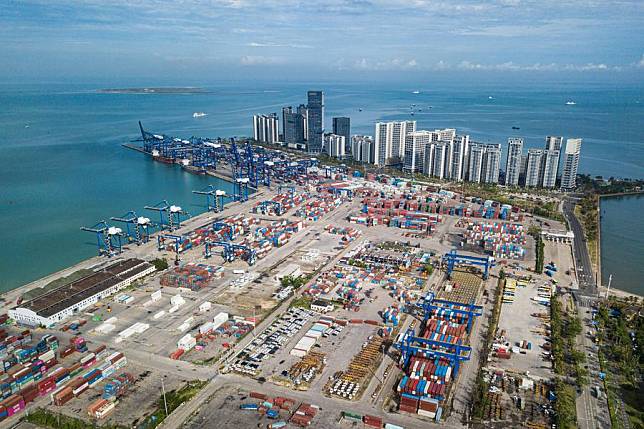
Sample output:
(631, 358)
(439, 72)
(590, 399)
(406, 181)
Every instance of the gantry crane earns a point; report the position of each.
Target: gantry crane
(172, 218)
(137, 227)
(452, 258)
(108, 238)
(214, 198)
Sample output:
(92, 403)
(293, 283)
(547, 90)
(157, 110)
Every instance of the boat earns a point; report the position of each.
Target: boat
(416, 92)
(570, 103)
(156, 155)
(192, 169)
(490, 98)
(516, 128)
(199, 114)
(360, 109)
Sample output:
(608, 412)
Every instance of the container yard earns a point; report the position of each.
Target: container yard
(336, 300)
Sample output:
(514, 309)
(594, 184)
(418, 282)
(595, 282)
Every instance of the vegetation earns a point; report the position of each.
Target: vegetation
(565, 408)
(295, 282)
(47, 419)
(160, 264)
(539, 245)
(565, 327)
(173, 398)
(303, 301)
(479, 393)
(597, 185)
(620, 335)
(357, 263)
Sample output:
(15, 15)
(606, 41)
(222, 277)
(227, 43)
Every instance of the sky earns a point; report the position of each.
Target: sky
(201, 40)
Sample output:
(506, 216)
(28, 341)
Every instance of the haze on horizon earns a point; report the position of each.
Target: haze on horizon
(191, 40)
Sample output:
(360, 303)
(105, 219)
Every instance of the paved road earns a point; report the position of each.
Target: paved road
(582, 262)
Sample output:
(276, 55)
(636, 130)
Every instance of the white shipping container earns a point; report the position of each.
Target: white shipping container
(219, 320)
(156, 296)
(159, 315)
(205, 306)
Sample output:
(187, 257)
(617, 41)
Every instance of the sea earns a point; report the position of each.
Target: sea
(622, 242)
(62, 164)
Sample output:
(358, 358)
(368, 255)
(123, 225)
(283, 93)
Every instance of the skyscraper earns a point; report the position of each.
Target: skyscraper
(513, 164)
(570, 164)
(459, 146)
(484, 162)
(266, 128)
(534, 171)
(555, 143)
(415, 144)
(304, 113)
(342, 127)
(293, 128)
(390, 141)
(315, 109)
(550, 166)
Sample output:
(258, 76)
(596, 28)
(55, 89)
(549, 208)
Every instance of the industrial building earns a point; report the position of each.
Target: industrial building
(67, 300)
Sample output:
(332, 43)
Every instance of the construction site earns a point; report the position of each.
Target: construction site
(333, 298)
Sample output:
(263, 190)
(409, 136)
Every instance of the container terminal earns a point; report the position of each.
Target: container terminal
(308, 296)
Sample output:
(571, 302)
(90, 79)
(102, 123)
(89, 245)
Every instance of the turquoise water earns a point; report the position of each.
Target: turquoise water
(622, 241)
(62, 165)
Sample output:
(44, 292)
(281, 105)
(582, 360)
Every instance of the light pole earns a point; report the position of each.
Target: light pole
(165, 402)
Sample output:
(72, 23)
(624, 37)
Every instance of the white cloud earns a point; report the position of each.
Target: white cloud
(511, 66)
(393, 64)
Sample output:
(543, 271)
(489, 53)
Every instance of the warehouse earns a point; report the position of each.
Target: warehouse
(66, 300)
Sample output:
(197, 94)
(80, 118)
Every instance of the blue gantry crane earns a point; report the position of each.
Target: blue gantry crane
(241, 189)
(453, 258)
(227, 231)
(409, 344)
(229, 251)
(137, 227)
(178, 244)
(108, 238)
(428, 304)
(214, 198)
(170, 215)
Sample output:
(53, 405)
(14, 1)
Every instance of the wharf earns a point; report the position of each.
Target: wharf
(135, 147)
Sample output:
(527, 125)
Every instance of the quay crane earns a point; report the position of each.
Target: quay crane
(241, 189)
(172, 218)
(452, 258)
(214, 198)
(137, 227)
(108, 238)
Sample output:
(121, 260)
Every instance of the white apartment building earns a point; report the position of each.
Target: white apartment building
(362, 148)
(550, 167)
(334, 145)
(513, 163)
(266, 128)
(389, 141)
(533, 172)
(570, 164)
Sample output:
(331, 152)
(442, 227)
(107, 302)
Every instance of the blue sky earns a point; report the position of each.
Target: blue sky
(288, 39)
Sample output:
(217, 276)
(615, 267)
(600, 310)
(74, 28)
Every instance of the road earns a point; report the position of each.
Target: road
(585, 275)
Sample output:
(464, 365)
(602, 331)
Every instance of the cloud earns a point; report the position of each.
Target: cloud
(387, 65)
(511, 66)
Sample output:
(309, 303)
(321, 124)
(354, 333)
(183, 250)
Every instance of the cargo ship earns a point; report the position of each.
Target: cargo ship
(164, 159)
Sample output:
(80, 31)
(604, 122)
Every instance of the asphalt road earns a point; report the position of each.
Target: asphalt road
(585, 275)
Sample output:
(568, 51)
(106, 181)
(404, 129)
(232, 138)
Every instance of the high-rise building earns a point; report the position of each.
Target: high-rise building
(570, 164)
(555, 143)
(415, 146)
(440, 159)
(342, 127)
(293, 127)
(550, 167)
(484, 162)
(266, 128)
(458, 157)
(362, 148)
(304, 113)
(534, 168)
(390, 140)
(334, 145)
(315, 109)
(513, 164)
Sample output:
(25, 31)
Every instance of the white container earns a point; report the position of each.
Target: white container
(205, 306)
